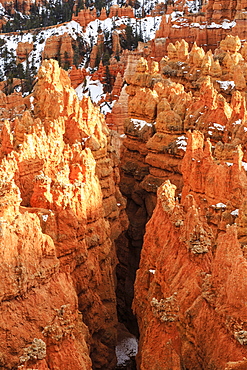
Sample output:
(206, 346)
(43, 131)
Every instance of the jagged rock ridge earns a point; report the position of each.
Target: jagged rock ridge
(60, 214)
(190, 312)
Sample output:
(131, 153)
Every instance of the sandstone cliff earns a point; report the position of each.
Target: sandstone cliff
(189, 89)
(190, 287)
(60, 214)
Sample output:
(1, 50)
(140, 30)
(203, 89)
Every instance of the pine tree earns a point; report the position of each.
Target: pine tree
(66, 63)
(107, 84)
(106, 58)
(28, 81)
(76, 57)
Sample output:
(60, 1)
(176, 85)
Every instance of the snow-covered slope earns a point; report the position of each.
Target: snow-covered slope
(147, 26)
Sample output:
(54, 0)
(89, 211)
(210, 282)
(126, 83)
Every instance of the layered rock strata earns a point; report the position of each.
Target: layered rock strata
(60, 214)
(190, 288)
(187, 90)
(204, 23)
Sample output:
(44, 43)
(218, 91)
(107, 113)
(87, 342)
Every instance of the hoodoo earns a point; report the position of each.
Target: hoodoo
(61, 211)
(123, 185)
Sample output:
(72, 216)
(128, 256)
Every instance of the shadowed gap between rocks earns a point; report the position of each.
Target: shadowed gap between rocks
(129, 247)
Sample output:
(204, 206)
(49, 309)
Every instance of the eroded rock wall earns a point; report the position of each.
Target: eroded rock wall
(61, 211)
(190, 288)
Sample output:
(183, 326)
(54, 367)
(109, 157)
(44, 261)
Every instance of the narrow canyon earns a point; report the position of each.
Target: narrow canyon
(123, 187)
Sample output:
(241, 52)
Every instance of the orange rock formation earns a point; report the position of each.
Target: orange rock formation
(23, 50)
(189, 89)
(60, 214)
(59, 47)
(190, 287)
(212, 23)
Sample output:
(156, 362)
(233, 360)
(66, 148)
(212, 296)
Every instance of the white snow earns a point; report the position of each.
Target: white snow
(152, 271)
(235, 212)
(126, 349)
(182, 142)
(219, 205)
(219, 127)
(225, 85)
(106, 107)
(2, 10)
(225, 24)
(11, 41)
(93, 89)
(146, 26)
(244, 164)
(31, 102)
(193, 6)
(229, 164)
(45, 217)
(238, 122)
(197, 25)
(138, 124)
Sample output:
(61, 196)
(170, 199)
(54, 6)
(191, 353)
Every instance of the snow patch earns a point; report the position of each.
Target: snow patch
(31, 102)
(219, 205)
(126, 349)
(45, 217)
(225, 85)
(106, 107)
(182, 142)
(138, 124)
(225, 25)
(193, 6)
(2, 10)
(244, 164)
(90, 88)
(238, 122)
(219, 127)
(235, 212)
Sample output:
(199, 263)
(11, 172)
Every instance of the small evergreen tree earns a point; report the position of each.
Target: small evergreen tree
(66, 63)
(76, 57)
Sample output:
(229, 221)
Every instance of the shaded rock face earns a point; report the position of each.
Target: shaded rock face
(190, 287)
(59, 47)
(179, 297)
(187, 90)
(60, 211)
(23, 50)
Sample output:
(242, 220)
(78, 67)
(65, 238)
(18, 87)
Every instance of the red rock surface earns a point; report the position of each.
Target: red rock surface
(190, 289)
(212, 23)
(189, 89)
(59, 47)
(85, 16)
(60, 214)
(23, 50)
(77, 76)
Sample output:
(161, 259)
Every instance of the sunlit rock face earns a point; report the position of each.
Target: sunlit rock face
(190, 287)
(186, 131)
(61, 211)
